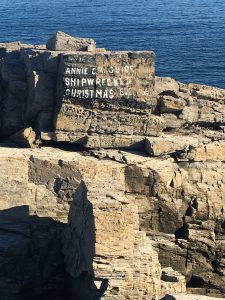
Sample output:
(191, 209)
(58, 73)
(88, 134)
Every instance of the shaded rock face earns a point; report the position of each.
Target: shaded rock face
(69, 231)
(106, 223)
(32, 265)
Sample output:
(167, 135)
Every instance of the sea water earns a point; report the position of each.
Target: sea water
(188, 36)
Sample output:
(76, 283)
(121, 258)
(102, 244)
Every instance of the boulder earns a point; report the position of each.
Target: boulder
(64, 42)
(170, 104)
(166, 85)
(174, 280)
(171, 143)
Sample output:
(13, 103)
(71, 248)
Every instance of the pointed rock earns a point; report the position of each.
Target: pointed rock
(64, 42)
(25, 138)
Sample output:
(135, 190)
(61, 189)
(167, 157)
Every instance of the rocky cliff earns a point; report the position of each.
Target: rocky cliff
(122, 194)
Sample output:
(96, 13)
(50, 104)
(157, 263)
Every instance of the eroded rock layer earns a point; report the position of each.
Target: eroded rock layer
(100, 247)
(74, 92)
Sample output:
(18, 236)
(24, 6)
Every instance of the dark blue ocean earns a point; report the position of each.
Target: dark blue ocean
(188, 36)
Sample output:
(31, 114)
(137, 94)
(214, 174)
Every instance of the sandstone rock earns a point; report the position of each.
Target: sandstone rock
(50, 184)
(170, 104)
(172, 121)
(115, 102)
(168, 143)
(117, 197)
(64, 42)
(40, 60)
(66, 214)
(169, 194)
(207, 93)
(114, 97)
(166, 85)
(154, 127)
(173, 280)
(205, 112)
(212, 151)
(13, 90)
(9, 47)
(100, 50)
(199, 104)
(42, 69)
(24, 138)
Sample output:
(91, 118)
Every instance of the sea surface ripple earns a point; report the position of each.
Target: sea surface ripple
(188, 36)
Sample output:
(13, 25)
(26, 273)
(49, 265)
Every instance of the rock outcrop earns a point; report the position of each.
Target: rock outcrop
(100, 246)
(110, 94)
(64, 42)
(122, 195)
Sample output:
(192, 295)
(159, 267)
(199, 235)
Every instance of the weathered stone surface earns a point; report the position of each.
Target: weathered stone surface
(170, 104)
(172, 279)
(165, 85)
(48, 185)
(9, 47)
(107, 94)
(108, 99)
(192, 103)
(212, 151)
(64, 42)
(97, 92)
(25, 138)
(179, 206)
(109, 140)
(114, 222)
(171, 143)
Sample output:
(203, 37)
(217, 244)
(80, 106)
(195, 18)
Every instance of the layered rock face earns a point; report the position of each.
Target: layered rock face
(100, 247)
(105, 99)
(75, 92)
(138, 212)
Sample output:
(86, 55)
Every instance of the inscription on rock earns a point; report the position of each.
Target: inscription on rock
(105, 92)
(108, 76)
(83, 82)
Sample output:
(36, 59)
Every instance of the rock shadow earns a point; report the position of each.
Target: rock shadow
(79, 249)
(168, 297)
(41, 258)
(31, 261)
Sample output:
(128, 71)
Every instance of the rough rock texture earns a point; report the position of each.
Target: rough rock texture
(64, 42)
(108, 94)
(108, 223)
(24, 138)
(101, 247)
(74, 92)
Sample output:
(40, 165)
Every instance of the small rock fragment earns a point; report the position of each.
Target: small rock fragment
(24, 138)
